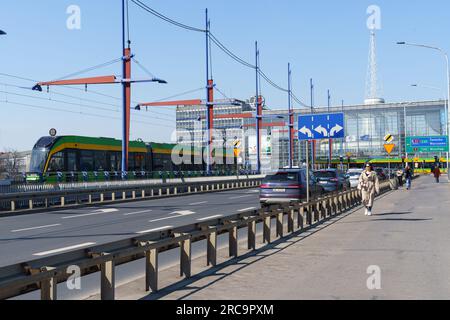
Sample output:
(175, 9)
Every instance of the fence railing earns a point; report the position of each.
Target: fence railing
(63, 195)
(38, 182)
(44, 274)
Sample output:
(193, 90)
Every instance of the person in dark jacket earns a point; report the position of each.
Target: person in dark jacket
(399, 174)
(408, 177)
(437, 173)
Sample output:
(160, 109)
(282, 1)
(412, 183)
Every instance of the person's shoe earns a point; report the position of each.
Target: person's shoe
(369, 213)
(366, 213)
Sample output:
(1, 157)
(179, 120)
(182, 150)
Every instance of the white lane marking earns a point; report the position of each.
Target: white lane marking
(211, 217)
(81, 245)
(137, 212)
(162, 219)
(183, 212)
(176, 214)
(34, 228)
(156, 229)
(247, 209)
(247, 196)
(197, 203)
(253, 191)
(97, 212)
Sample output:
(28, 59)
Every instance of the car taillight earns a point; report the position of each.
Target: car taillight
(295, 186)
(264, 186)
(334, 179)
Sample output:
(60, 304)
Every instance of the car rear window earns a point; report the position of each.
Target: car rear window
(354, 174)
(282, 176)
(325, 174)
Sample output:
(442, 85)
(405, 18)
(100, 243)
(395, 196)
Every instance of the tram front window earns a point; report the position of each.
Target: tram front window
(38, 157)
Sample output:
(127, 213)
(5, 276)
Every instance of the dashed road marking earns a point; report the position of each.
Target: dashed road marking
(76, 246)
(156, 229)
(97, 212)
(35, 228)
(247, 196)
(211, 217)
(197, 203)
(137, 212)
(247, 209)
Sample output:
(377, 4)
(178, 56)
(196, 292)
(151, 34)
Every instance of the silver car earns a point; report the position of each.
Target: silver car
(353, 176)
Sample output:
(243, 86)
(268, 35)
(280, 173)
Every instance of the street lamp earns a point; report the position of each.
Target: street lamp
(446, 111)
(448, 80)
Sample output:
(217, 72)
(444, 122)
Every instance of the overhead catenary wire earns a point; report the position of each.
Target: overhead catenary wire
(75, 104)
(165, 18)
(221, 46)
(105, 64)
(69, 96)
(79, 112)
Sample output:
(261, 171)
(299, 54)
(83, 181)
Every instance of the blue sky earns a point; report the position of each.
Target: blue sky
(323, 39)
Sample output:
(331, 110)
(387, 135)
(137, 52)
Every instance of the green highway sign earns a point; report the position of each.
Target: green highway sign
(427, 144)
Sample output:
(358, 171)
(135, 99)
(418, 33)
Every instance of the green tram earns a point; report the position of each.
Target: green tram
(77, 158)
(420, 164)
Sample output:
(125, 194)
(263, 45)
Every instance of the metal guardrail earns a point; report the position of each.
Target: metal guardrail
(145, 177)
(27, 201)
(44, 274)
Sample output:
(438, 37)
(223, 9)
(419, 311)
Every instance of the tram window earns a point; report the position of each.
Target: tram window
(56, 162)
(131, 161)
(100, 160)
(72, 164)
(139, 161)
(87, 160)
(115, 161)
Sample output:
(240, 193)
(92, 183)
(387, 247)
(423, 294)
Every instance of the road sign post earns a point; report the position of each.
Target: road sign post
(307, 171)
(389, 148)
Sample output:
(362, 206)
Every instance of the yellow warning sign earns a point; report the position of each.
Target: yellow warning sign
(389, 138)
(389, 148)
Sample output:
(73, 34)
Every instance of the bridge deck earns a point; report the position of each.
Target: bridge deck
(408, 238)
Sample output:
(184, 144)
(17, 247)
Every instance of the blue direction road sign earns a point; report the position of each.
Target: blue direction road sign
(321, 126)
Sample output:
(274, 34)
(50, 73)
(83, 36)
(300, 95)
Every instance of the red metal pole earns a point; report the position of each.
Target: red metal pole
(291, 136)
(210, 115)
(259, 112)
(127, 57)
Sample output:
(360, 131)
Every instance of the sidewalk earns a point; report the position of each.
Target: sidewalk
(408, 238)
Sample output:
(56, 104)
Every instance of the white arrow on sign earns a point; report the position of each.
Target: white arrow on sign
(336, 129)
(306, 132)
(322, 131)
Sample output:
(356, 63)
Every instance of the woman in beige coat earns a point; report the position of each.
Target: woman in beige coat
(369, 185)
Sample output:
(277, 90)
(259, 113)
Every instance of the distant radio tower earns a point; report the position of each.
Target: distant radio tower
(373, 91)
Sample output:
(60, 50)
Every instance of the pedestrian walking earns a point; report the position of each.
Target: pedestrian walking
(399, 174)
(408, 177)
(437, 173)
(369, 186)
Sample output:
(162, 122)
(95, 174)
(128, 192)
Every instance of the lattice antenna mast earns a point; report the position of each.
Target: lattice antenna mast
(373, 91)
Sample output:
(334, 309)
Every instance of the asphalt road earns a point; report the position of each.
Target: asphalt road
(27, 237)
(401, 252)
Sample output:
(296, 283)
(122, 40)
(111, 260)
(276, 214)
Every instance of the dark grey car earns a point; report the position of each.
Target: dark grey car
(288, 186)
(332, 180)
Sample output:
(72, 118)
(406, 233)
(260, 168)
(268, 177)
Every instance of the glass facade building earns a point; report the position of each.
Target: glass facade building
(365, 129)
